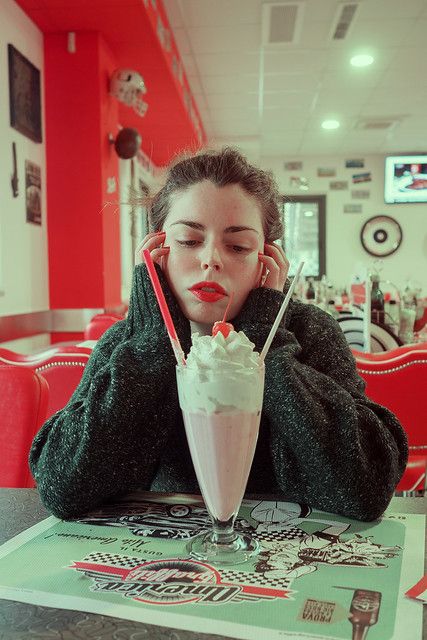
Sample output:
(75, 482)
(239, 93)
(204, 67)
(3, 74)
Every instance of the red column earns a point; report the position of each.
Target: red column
(83, 237)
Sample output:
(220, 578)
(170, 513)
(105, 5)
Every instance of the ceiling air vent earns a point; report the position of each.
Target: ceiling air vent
(375, 124)
(344, 19)
(281, 22)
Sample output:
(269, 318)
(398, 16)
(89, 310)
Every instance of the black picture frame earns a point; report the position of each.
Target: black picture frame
(24, 95)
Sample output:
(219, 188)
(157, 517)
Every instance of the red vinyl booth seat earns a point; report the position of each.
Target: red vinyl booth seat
(62, 367)
(397, 380)
(23, 404)
(99, 324)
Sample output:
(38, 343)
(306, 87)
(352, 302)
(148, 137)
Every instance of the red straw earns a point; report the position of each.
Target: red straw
(176, 346)
(228, 306)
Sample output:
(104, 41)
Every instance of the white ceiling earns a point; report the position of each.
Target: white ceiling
(270, 99)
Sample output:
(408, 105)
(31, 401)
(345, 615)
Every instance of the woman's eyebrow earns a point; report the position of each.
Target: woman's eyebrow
(201, 227)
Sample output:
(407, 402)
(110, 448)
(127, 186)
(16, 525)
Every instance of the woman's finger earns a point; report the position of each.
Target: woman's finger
(275, 272)
(279, 255)
(157, 254)
(151, 241)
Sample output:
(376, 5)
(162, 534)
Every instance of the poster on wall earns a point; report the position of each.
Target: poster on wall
(33, 192)
(24, 96)
(361, 177)
(326, 172)
(338, 185)
(356, 163)
(294, 165)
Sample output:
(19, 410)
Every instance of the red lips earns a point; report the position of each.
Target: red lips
(216, 291)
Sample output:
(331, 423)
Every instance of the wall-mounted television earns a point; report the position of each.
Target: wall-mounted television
(405, 179)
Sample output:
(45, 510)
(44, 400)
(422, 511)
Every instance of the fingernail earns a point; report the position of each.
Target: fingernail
(160, 233)
(260, 254)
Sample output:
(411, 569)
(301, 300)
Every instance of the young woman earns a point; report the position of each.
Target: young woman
(321, 441)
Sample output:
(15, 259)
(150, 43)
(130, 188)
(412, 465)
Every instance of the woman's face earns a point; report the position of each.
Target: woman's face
(214, 234)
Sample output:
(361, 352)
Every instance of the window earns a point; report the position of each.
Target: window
(304, 233)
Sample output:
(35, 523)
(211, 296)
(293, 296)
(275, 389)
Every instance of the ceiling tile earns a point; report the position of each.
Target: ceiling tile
(295, 81)
(386, 32)
(227, 63)
(235, 100)
(354, 80)
(396, 8)
(205, 13)
(289, 99)
(234, 127)
(227, 39)
(301, 61)
(230, 83)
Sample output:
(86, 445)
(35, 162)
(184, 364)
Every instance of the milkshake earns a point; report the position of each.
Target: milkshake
(220, 393)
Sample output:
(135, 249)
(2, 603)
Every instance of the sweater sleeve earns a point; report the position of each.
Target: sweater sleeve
(109, 438)
(331, 446)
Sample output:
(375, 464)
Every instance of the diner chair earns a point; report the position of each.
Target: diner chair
(99, 324)
(62, 367)
(382, 338)
(24, 398)
(398, 380)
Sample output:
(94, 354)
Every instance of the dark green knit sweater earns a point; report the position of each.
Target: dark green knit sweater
(321, 441)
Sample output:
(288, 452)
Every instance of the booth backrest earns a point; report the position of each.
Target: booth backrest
(62, 367)
(23, 404)
(99, 324)
(397, 380)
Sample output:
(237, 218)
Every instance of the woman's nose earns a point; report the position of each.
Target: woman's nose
(211, 259)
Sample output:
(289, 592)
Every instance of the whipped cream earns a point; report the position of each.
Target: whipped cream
(222, 375)
(235, 352)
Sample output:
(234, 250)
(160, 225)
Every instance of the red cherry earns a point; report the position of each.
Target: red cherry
(223, 327)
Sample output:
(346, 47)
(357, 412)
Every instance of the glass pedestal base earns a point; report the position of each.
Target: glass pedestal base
(236, 549)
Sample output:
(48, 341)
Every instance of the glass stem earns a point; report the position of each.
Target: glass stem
(223, 530)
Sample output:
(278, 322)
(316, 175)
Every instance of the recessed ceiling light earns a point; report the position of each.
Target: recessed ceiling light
(330, 124)
(362, 60)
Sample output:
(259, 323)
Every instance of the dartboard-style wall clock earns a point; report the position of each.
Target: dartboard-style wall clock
(381, 236)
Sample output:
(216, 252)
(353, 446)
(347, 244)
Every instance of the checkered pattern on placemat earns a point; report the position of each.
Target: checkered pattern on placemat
(257, 579)
(290, 533)
(113, 559)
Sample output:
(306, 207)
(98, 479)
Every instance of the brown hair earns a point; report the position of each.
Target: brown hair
(223, 167)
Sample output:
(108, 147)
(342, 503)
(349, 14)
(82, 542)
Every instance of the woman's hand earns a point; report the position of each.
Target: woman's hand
(276, 267)
(154, 243)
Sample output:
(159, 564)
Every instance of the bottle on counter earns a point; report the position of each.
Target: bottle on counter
(392, 318)
(310, 293)
(331, 309)
(377, 301)
(364, 610)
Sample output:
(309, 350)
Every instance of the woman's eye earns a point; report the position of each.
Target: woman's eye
(239, 249)
(187, 243)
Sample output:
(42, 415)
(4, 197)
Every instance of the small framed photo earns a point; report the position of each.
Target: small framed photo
(33, 192)
(24, 96)
(338, 185)
(294, 165)
(356, 163)
(326, 172)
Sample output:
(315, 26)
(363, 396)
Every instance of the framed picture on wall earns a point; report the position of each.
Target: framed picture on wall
(24, 95)
(33, 192)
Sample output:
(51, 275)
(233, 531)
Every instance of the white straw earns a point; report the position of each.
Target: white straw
(280, 314)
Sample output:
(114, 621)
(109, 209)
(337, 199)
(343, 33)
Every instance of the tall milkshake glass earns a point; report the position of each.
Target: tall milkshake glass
(222, 411)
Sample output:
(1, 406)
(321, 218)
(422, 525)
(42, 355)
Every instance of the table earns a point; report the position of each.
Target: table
(21, 509)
